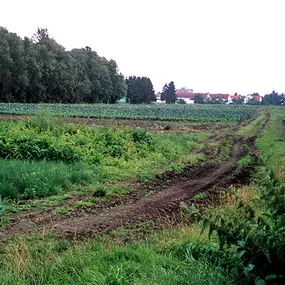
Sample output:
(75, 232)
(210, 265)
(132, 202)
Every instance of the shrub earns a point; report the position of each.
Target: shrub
(257, 234)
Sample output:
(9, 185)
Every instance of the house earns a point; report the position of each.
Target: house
(188, 97)
(219, 96)
(158, 98)
(233, 98)
(251, 96)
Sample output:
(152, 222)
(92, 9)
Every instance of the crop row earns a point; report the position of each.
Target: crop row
(195, 113)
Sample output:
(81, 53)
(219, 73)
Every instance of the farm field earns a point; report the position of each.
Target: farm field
(99, 194)
(168, 112)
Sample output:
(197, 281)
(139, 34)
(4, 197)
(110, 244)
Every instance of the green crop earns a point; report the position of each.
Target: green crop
(194, 113)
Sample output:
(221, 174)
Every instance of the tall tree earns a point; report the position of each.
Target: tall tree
(273, 99)
(6, 64)
(168, 93)
(140, 90)
(41, 70)
(199, 99)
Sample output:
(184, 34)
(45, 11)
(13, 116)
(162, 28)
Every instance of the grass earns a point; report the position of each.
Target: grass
(176, 256)
(272, 143)
(253, 128)
(122, 154)
(25, 180)
(48, 260)
(47, 184)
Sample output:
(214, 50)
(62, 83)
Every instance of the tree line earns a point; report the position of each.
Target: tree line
(38, 69)
(41, 70)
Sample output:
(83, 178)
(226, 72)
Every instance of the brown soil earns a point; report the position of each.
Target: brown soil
(157, 200)
(149, 125)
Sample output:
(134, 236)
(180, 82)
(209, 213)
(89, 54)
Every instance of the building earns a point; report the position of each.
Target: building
(219, 96)
(188, 96)
(251, 96)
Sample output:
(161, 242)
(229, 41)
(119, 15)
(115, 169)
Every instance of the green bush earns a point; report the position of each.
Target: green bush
(43, 120)
(70, 143)
(256, 231)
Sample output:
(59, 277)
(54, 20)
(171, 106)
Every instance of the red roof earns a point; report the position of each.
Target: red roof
(257, 97)
(235, 96)
(190, 95)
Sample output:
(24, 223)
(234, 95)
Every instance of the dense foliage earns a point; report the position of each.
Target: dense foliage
(168, 93)
(199, 99)
(195, 113)
(41, 70)
(140, 90)
(42, 156)
(36, 141)
(274, 99)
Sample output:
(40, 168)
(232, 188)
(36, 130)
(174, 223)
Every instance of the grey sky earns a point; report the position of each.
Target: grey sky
(208, 45)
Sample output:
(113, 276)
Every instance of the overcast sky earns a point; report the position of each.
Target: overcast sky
(223, 46)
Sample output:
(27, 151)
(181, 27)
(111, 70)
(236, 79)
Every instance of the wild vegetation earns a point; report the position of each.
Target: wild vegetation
(40, 156)
(202, 204)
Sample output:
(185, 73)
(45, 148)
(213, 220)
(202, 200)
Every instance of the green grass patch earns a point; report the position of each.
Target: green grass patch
(101, 261)
(272, 143)
(40, 157)
(253, 128)
(26, 180)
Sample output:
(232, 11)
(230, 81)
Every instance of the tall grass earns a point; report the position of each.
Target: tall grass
(101, 261)
(25, 180)
(272, 143)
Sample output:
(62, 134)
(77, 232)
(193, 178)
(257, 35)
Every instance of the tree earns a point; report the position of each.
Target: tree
(238, 100)
(119, 85)
(199, 99)
(274, 99)
(140, 90)
(41, 70)
(253, 101)
(6, 63)
(168, 93)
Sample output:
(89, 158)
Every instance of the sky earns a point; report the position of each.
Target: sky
(217, 46)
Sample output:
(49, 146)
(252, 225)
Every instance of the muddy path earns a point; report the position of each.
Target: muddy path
(157, 200)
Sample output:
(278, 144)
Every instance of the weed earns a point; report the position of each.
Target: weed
(200, 196)
(61, 210)
(100, 191)
(80, 204)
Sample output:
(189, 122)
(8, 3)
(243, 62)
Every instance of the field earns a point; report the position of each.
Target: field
(197, 113)
(120, 194)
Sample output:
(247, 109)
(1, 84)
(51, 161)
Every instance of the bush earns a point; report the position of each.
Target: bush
(43, 121)
(257, 234)
(181, 101)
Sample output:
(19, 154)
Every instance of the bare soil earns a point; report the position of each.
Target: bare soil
(157, 200)
(149, 125)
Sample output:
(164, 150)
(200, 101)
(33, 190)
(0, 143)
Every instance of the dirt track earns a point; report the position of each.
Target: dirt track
(161, 204)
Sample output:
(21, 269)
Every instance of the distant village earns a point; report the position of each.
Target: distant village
(188, 96)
